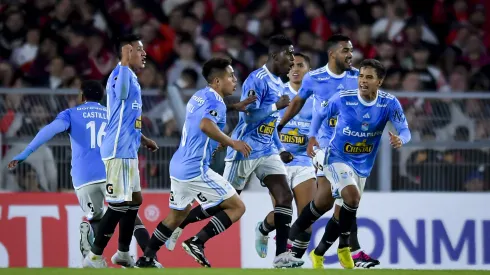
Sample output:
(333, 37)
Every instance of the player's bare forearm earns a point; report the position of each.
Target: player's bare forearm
(212, 130)
(292, 110)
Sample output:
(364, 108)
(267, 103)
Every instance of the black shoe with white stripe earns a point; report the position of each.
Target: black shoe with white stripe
(146, 262)
(363, 260)
(196, 250)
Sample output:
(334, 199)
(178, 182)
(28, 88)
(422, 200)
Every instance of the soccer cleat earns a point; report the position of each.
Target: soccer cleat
(287, 260)
(261, 242)
(345, 258)
(94, 261)
(146, 262)
(123, 259)
(316, 260)
(86, 238)
(362, 259)
(196, 251)
(170, 243)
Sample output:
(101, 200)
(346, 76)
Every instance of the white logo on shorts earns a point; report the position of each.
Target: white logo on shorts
(152, 213)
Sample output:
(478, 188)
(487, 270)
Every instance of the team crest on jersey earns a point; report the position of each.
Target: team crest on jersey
(324, 103)
(293, 137)
(358, 148)
(267, 129)
(365, 126)
(213, 113)
(251, 93)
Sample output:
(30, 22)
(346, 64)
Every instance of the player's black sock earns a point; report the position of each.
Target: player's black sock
(198, 214)
(107, 226)
(308, 216)
(301, 244)
(219, 223)
(95, 225)
(346, 217)
(282, 218)
(141, 234)
(265, 228)
(126, 228)
(159, 237)
(332, 231)
(353, 241)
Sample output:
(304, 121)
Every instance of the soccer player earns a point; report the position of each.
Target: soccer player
(119, 151)
(337, 75)
(362, 115)
(191, 178)
(86, 125)
(301, 173)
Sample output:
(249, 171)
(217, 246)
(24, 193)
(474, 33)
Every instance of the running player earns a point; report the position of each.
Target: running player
(85, 124)
(362, 115)
(119, 151)
(301, 173)
(337, 75)
(190, 175)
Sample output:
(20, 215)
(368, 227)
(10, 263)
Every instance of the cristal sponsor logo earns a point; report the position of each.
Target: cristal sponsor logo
(293, 137)
(267, 129)
(358, 148)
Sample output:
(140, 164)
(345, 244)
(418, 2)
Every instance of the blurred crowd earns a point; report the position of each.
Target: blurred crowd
(427, 45)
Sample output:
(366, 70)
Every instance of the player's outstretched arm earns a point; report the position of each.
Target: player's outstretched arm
(44, 135)
(257, 114)
(123, 79)
(242, 105)
(293, 109)
(212, 130)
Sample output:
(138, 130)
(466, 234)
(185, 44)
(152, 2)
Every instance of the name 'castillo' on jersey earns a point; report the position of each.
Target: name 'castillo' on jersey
(360, 125)
(196, 148)
(123, 132)
(294, 135)
(258, 133)
(86, 125)
(323, 84)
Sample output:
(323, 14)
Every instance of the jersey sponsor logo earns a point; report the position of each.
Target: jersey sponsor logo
(199, 100)
(398, 116)
(293, 137)
(332, 122)
(137, 123)
(267, 129)
(381, 105)
(367, 116)
(340, 87)
(351, 133)
(213, 113)
(109, 189)
(136, 106)
(358, 148)
(323, 78)
(351, 103)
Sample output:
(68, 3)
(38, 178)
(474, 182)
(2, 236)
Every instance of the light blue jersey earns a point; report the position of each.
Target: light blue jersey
(360, 125)
(124, 105)
(294, 135)
(196, 148)
(257, 126)
(323, 84)
(86, 125)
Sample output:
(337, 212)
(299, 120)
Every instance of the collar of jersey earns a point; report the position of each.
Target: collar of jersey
(334, 75)
(364, 102)
(292, 89)
(212, 90)
(274, 78)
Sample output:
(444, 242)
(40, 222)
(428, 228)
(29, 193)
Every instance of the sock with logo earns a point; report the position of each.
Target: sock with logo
(308, 216)
(347, 217)
(301, 244)
(332, 231)
(218, 224)
(265, 228)
(282, 219)
(353, 240)
(106, 227)
(198, 214)
(159, 237)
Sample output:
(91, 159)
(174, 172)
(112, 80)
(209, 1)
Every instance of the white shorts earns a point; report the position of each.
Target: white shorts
(341, 175)
(209, 189)
(238, 172)
(318, 162)
(299, 174)
(123, 179)
(91, 199)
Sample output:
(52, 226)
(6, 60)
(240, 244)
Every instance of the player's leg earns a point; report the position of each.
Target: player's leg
(214, 190)
(141, 233)
(91, 199)
(262, 231)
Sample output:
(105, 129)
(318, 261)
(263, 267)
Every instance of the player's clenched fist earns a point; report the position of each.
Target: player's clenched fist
(283, 102)
(126, 52)
(242, 147)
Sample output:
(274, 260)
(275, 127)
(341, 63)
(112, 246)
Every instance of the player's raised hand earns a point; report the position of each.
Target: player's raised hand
(12, 164)
(126, 52)
(283, 102)
(242, 105)
(395, 141)
(310, 150)
(242, 147)
(286, 156)
(150, 144)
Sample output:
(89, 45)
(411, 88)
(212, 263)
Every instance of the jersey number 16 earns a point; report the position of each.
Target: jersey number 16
(100, 134)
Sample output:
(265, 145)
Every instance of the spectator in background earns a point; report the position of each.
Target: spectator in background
(192, 25)
(431, 77)
(186, 52)
(23, 56)
(393, 21)
(475, 53)
(55, 70)
(12, 32)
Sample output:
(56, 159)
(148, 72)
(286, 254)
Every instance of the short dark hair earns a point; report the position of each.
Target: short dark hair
(305, 57)
(124, 40)
(378, 67)
(278, 42)
(92, 90)
(335, 39)
(213, 66)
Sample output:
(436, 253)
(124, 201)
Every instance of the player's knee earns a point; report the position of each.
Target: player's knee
(351, 196)
(324, 203)
(137, 199)
(284, 197)
(240, 208)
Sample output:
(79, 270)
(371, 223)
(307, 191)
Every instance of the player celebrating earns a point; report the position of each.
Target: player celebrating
(86, 125)
(301, 173)
(362, 115)
(190, 175)
(323, 83)
(119, 151)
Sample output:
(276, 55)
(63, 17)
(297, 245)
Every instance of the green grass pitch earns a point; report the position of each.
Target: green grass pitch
(220, 271)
